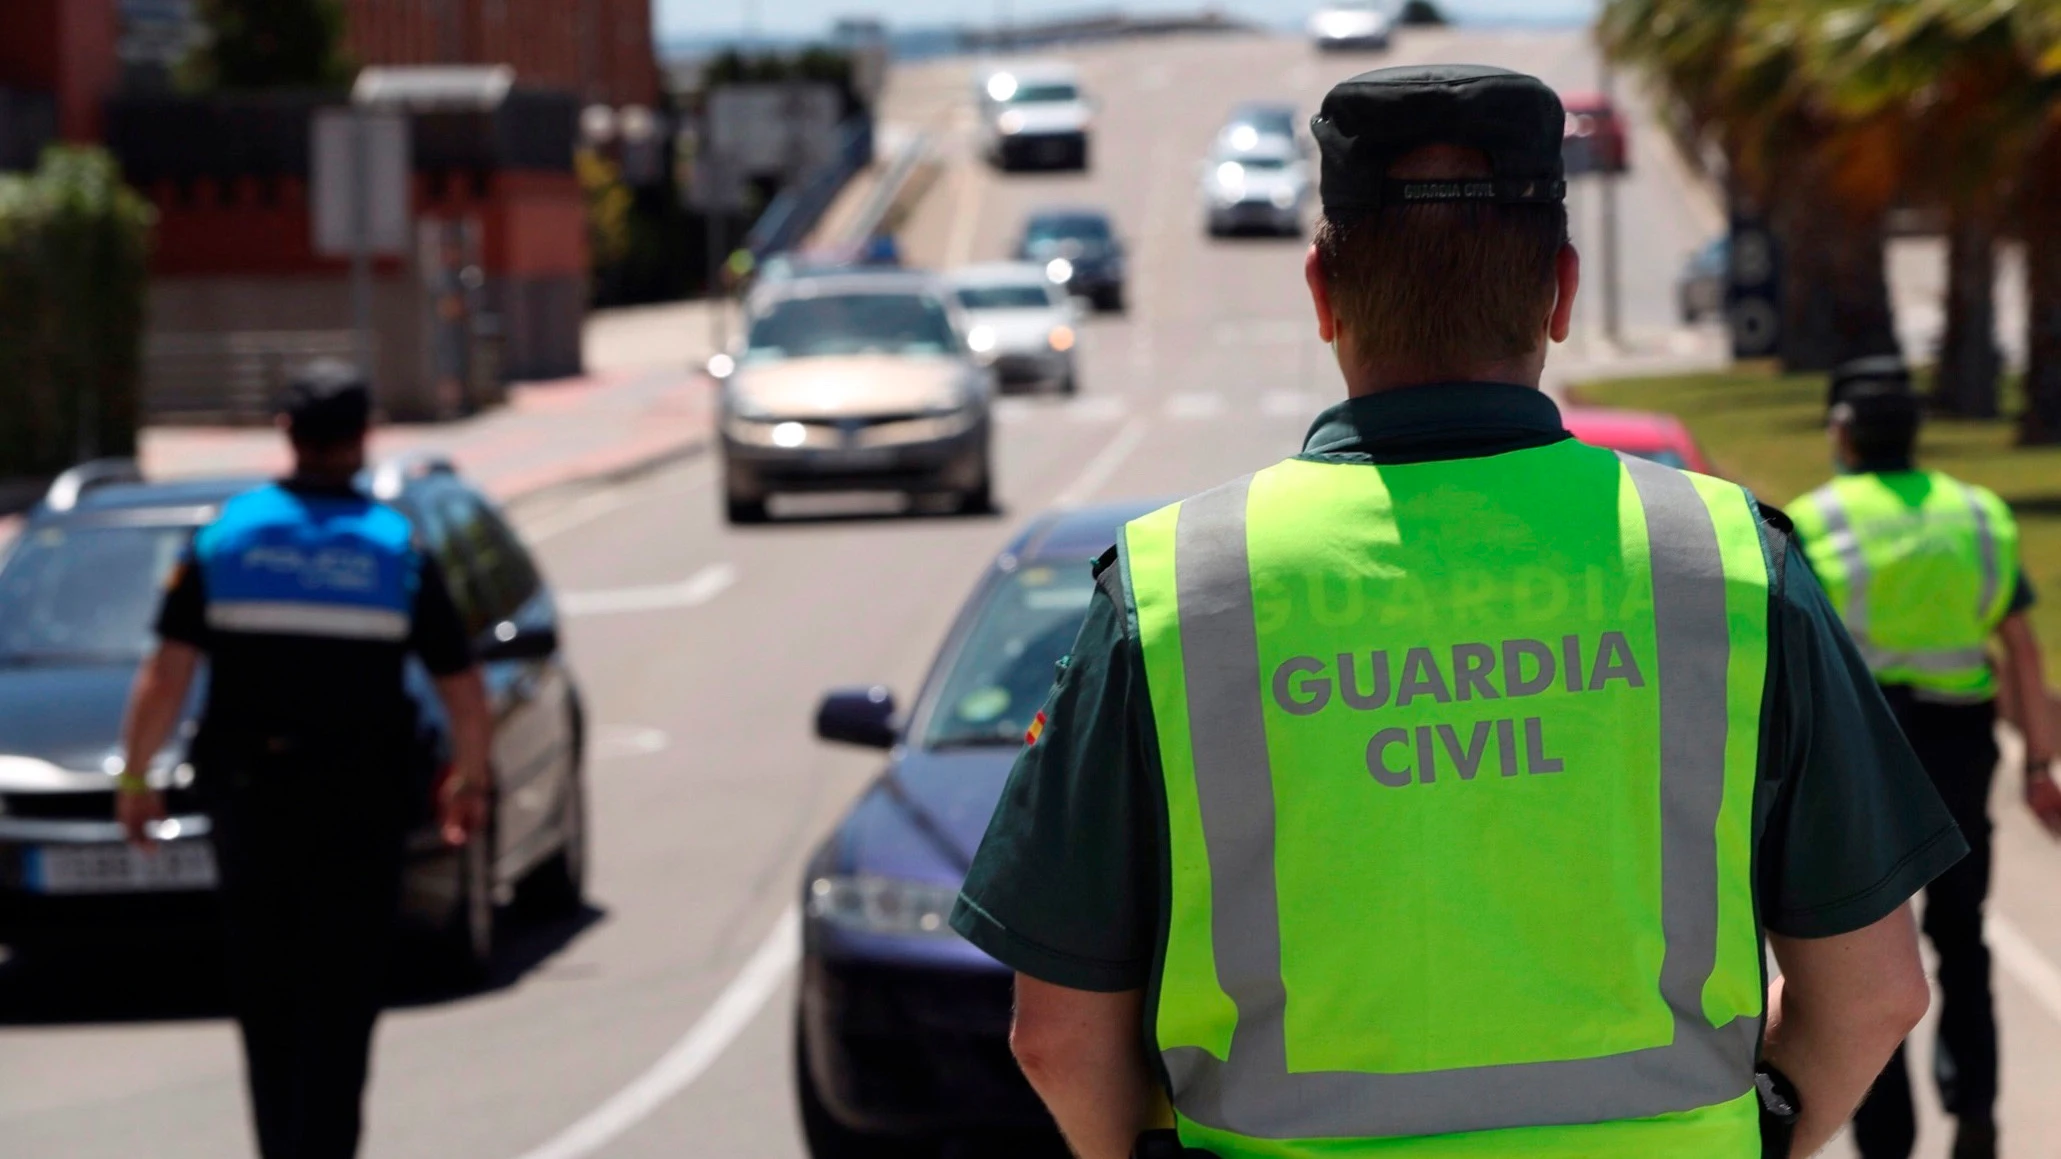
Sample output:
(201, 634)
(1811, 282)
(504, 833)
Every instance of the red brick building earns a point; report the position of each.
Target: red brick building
(61, 54)
(599, 50)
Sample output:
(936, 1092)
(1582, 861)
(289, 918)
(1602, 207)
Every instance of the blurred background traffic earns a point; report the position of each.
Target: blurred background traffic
(730, 352)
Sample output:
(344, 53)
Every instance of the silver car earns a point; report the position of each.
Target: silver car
(1263, 188)
(848, 382)
(1351, 25)
(1020, 323)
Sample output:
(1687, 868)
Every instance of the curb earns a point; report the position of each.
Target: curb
(628, 470)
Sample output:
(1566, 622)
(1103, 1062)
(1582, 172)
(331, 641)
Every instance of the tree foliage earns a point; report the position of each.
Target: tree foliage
(269, 44)
(73, 247)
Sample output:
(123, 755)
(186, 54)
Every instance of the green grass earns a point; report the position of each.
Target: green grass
(1768, 431)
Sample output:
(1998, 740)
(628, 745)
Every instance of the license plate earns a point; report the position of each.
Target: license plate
(119, 868)
(860, 459)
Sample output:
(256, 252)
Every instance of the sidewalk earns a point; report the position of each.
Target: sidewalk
(644, 403)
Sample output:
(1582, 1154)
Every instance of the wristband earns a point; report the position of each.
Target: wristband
(131, 784)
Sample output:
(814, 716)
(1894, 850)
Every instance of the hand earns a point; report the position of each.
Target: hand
(461, 807)
(2043, 797)
(136, 809)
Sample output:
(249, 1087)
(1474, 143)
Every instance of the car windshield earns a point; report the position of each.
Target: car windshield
(1000, 677)
(1267, 122)
(1262, 163)
(814, 327)
(1036, 94)
(1024, 297)
(1078, 227)
(84, 593)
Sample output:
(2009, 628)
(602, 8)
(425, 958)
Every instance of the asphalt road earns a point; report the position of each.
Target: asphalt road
(660, 1024)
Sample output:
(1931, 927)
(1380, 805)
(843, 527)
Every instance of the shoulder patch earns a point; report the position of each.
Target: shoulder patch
(1105, 561)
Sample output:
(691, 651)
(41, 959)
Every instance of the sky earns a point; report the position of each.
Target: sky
(699, 18)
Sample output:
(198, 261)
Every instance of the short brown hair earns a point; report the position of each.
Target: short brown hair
(1449, 285)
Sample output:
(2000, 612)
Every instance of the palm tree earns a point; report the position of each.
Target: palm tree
(1951, 75)
(1736, 70)
(2038, 31)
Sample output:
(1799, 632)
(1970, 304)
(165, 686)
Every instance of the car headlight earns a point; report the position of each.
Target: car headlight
(1231, 175)
(980, 339)
(1283, 198)
(883, 905)
(1009, 123)
(1059, 270)
(1061, 338)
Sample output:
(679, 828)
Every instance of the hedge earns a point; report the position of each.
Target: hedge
(74, 243)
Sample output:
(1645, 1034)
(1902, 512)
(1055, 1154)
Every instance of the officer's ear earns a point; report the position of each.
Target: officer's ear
(1567, 282)
(1320, 295)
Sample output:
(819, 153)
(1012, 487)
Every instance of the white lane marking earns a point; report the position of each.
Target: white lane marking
(1194, 405)
(965, 214)
(691, 1056)
(699, 588)
(1097, 408)
(613, 741)
(2024, 962)
(1099, 469)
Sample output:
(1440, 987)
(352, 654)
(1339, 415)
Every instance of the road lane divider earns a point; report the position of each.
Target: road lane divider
(699, 588)
(693, 1054)
(2021, 959)
(1097, 473)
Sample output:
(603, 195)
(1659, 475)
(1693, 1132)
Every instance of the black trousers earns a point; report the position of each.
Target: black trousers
(1957, 744)
(311, 869)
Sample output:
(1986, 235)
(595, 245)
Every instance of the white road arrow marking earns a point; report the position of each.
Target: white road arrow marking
(699, 588)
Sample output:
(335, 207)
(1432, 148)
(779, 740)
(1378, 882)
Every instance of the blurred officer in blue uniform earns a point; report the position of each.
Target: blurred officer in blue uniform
(306, 597)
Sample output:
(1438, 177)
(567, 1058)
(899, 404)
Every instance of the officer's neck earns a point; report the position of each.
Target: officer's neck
(1368, 380)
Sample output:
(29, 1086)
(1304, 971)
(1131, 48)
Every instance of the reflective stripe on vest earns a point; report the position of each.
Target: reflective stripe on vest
(277, 562)
(1838, 539)
(1253, 1092)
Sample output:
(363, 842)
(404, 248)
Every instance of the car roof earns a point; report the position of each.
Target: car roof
(848, 281)
(1614, 427)
(164, 494)
(997, 274)
(1034, 71)
(1077, 533)
(1051, 212)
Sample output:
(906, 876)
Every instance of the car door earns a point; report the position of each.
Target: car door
(532, 748)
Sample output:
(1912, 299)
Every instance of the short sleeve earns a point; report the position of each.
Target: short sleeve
(1856, 827)
(182, 615)
(1063, 887)
(438, 633)
(2023, 595)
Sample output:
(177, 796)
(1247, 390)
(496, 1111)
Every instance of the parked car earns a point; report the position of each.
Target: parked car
(1705, 283)
(1355, 25)
(1020, 324)
(903, 1026)
(1647, 434)
(79, 590)
(1595, 141)
(1079, 251)
(1034, 114)
(1263, 189)
(853, 381)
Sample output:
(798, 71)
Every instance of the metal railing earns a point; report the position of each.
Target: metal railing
(231, 377)
(800, 206)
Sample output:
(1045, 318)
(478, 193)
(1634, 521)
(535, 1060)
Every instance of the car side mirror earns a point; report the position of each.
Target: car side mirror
(513, 641)
(860, 716)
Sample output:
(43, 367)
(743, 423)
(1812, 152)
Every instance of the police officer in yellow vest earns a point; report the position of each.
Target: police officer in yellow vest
(1924, 570)
(1430, 793)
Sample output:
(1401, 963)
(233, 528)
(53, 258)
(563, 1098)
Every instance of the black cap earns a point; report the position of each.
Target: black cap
(1880, 375)
(1368, 123)
(328, 401)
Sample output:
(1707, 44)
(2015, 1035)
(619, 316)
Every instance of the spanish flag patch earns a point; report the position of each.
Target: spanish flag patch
(1037, 727)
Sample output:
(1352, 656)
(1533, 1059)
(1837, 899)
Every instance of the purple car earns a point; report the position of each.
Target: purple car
(903, 1027)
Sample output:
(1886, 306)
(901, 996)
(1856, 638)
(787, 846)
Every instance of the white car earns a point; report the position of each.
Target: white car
(1263, 189)
(1351, 24)
(1020, 324)
(1034, 114)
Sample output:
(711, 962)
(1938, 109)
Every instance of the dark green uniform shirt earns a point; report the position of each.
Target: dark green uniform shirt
(1070, 885)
